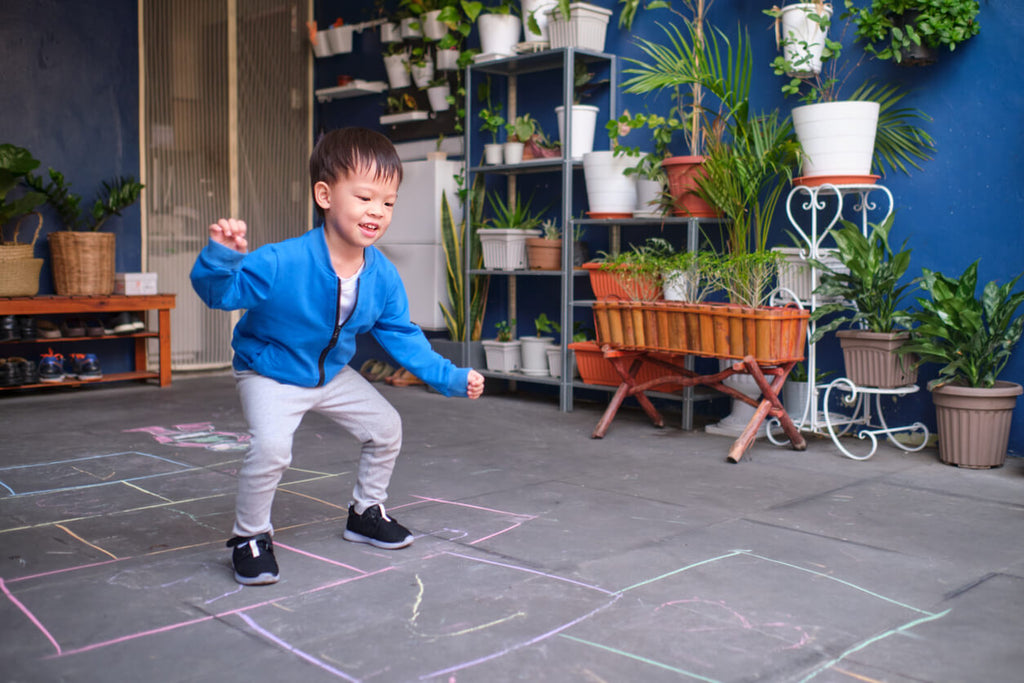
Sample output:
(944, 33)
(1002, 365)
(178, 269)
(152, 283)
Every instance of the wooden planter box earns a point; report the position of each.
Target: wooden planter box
(594, 368)
(771, 334)
(615, 284)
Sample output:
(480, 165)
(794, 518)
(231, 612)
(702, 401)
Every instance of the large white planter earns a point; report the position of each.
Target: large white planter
(584, 121)
(803, 39)
(505, 248)
(609, 189)
(648, 199)
(535, 355)
(502, 356)
(838, 138)
(432, 28)
(438, 97)
(585, 28)
(397, 68)
(499, 33)
(422, 74)
(541, 12)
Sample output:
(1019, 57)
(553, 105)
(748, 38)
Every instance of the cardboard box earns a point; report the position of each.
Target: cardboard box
(135, 284)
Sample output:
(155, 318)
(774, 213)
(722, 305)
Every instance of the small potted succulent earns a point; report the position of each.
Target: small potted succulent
(503, 353)
(503, 236)
(972, 338)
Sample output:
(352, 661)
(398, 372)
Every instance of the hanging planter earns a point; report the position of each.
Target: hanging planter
(437, 95)
(610, 192)
(584, 121)
(447, 59)
(397, 68)
(802, 38)
(683, 173)
(410, 28)
(422, 73)
(838, 138)
(432, 28)
(390, 33)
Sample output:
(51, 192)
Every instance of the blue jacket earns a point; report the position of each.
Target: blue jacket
(291, 330)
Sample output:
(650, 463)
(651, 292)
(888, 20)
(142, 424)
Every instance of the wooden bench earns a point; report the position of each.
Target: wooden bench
(114, 303)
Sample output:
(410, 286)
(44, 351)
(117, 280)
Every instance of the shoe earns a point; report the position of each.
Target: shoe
(138, 324)
(72, 327)
(9, 330)
(23, 370)
(47, 329)
(51, 367)
(253, 560)
(94, 328)
(122, 323)
(404, 378)
(376, 528)
(27, 327)
(82, 366)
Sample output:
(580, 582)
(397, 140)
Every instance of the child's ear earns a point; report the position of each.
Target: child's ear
(322, 195)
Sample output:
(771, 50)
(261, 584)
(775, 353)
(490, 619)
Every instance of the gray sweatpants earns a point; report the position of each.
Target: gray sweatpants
(274, 411)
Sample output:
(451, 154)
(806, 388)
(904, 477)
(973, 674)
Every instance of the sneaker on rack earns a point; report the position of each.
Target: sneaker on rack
(8, 373)
(122, 323)
(51, 367)
(25, 371)
(27, 326)
(47, 329)
(72, 327)
(82, 366)
(253, 560)
(376, 528)
(9, 329)
(94, 328)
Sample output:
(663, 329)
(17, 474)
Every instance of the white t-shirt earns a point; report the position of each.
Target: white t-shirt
(347, 298)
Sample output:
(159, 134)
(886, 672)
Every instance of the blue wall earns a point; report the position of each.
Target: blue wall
(69, 93)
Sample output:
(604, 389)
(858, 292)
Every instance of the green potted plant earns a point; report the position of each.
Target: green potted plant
(545, 252)
(972, 338)
(911, 32)
(20, 268)
(503, 353)
(491, 121)
(632, 275)
(519, 130)
(453, 242)
(876, 133)
(867, 293)
(503, 236)
(83, 257)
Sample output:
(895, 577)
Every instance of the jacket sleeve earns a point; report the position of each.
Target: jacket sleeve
(227, 280)
(410, 348)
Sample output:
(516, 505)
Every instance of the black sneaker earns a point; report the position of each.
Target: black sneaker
(253, 560)
(376, 528)
(51, 367)
(8, 373)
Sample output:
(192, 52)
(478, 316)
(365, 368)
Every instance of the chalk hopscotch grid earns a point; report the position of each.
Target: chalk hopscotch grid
(516, 520)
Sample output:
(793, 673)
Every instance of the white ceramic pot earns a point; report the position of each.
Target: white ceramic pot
(502, 356)
(422, 74)
(409, 28)
(321, 45)
(447, 60)
(432, 28)
(504, 248)
(397, 68)
(535, 355)
(541, 12)
(389, 33)
(513, 152)
(609, 189)
(340, 39)
(838, 138)
(499, 33)
(438, 97)
(802, 38)
(584, 121)
(680, 285)
(494, 153)
(794, 397)
(648, 199)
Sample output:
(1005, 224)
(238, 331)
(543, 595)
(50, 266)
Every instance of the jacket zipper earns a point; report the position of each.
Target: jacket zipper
(338, 324)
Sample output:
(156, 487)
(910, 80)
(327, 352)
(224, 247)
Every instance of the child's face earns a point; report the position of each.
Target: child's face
(357, 206)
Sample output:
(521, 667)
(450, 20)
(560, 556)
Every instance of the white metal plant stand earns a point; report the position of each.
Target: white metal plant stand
(821, 209)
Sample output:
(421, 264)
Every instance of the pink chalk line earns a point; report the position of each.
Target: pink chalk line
(521, 518)
(31, 617)
(319, 557)
(221, 615)
(291, 648)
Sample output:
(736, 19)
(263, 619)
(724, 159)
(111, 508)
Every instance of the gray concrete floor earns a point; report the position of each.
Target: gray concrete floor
(541, 554)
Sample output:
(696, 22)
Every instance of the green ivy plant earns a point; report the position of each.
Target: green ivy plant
(972, 338)
(887, 28)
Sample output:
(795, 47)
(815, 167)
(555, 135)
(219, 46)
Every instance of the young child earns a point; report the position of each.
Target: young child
(306, 299)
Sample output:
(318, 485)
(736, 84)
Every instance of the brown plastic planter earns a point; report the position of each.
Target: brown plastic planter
(974, 423)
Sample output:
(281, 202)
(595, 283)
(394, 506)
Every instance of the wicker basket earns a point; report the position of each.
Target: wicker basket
(83, 262)
(16, 251)
(19, 270)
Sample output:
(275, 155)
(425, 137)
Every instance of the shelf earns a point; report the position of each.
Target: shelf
(110, 377)
(534, 62)
(546, 165)
(404, 117)
(357, 88)
(660, 220)
(57, 340)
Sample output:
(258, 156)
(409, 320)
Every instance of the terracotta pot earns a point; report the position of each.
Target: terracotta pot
(544, 254)
(974, 423)
(610, 284)
(871, 359)
(683, 173)
(594, 368)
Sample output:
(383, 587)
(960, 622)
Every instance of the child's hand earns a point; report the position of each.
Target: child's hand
(474, 384)
(231, 233)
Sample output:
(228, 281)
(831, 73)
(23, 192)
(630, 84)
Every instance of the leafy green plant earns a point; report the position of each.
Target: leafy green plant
(453, 241)
(513, 214)
(505, 330)
(545, 325)
(521, 128)
(114, 197)
(887, 28)
(638, 270)
(972, 338)
(799, 374)
(870, 291)
(693, 275)
(15, 165)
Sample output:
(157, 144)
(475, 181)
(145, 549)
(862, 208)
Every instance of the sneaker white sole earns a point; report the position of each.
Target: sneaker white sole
(263, 579)
(359, 538)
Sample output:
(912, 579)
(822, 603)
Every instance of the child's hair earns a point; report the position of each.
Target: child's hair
(344, 150)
